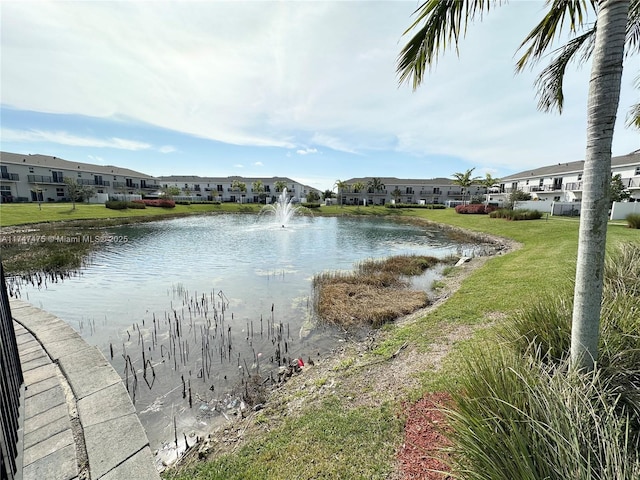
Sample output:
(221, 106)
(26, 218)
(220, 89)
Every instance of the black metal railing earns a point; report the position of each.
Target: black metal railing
(11, 381)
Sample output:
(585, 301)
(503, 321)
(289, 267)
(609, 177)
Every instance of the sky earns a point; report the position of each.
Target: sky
(305, 89)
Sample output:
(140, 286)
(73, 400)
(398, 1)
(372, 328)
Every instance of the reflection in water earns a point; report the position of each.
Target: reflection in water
(188, 308)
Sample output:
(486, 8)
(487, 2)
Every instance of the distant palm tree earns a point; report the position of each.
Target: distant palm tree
(258, 187)
(397, 193)
(280, 185)
(341, 187)
(358, 187)
(487, 182)
(375, 185)
(465, 180)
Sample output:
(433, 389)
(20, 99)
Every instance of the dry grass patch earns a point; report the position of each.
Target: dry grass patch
(375, 293)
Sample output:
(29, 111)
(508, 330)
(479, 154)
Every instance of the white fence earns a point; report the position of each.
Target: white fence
(567, 209)
(541, 206)
(620, 210)
(123, 197)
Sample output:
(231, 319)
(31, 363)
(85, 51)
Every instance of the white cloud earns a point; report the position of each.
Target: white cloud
(65, 138)
(258, 164)
(167, 149)
(238, 165)
(307, 151)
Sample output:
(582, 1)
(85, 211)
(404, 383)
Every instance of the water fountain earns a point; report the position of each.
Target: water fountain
(283, 210)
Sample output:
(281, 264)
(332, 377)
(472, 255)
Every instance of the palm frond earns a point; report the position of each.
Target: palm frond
(633, 29)
(633, 115)
(549, 84)
(439, 23)
(540, 38)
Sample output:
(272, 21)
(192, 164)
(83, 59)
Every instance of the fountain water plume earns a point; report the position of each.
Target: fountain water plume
(283, 210)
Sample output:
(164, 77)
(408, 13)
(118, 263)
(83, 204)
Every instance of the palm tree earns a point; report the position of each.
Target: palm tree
(357, 188)
(487, 182)
(440, 22)
(280, 185)
(465, 180)
(240, 186)
(341, 187)
(375, 185)
(258, 187)
(397, 193)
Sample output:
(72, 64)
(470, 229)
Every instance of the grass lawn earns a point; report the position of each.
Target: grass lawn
(27, 213)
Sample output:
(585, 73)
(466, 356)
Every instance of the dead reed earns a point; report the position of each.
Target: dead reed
(376, 293)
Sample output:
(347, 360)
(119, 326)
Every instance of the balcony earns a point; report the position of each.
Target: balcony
(153, 186)
(43, 179)
(14, 177)
(631, 182)
(99, 183)
(573, 186)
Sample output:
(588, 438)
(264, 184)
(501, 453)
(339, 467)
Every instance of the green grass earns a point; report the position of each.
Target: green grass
(329, 441)
(27, 213)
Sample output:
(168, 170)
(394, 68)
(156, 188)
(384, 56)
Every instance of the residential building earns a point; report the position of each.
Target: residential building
(26, 178)
(228, 189)
(564, 182)
(416, 191)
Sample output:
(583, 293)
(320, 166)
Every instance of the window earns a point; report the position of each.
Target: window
(57, 177)
(637, 171)
(143, 184)
(579, 176)
(556, 199)
(79, 174)
(60, 192)
(436, 191)
(196, 188)
(128, 182)
(541, 182)
(97, 180)
(409, 190)
(30, 169)
(219, 188)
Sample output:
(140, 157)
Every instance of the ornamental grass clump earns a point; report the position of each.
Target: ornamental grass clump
(520, 413)
(633, 220)
(517, 214)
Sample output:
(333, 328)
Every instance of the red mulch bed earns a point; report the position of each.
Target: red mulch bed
(420, 457)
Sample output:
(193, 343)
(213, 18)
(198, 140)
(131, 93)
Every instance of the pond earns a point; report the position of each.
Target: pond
(186, 309)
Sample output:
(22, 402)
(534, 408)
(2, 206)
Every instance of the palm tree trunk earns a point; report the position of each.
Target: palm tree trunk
(604, 95)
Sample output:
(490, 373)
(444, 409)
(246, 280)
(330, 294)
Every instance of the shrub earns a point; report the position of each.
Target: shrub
(160, 202)
(475, 208)
(430, 206)
(311, 205)
(136, 205)
(633, 220)
(518, 214)
(116, 205)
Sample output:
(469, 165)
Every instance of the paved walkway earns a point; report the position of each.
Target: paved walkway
(79, 422)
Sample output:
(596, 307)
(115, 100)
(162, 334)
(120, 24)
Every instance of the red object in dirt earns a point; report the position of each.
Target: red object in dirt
(300, 363)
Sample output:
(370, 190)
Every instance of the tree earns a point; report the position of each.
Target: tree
(280, 185)
(313, 196)
(239, 186)
(375, 185)
(487, 182)
(341, 187)
(328, 194)
(258, 187)
(37, 191)
(439, 23)
(170, 192)
(77, 192)
(357, 188)
(517, 196)
(617, 191)
(465, 180)
(396, 195)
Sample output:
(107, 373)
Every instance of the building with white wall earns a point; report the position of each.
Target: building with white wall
(27, 178)
(563, 182)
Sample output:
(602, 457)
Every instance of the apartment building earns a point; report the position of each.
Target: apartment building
(416, 191)
(563, 182)
(237, 189)
(27, 178)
